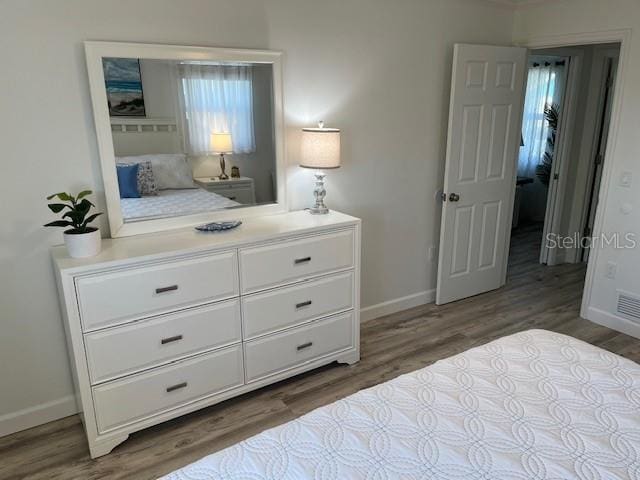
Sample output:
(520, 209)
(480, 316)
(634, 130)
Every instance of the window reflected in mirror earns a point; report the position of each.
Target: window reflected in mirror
(190, 137)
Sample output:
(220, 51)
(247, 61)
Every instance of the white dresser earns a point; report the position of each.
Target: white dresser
(161, 325)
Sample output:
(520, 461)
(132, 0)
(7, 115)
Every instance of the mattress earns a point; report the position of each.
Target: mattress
(172, 203)
(534, 405)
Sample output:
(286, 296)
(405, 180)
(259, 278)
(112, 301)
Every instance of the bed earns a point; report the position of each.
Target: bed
(173, 202)
(534, 405)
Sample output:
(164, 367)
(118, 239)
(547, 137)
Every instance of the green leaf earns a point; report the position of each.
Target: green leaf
(91, 218)
(76, 216)
(84, 206)
(57, 207)
(59, 223)
(65, 197)
(83, 194)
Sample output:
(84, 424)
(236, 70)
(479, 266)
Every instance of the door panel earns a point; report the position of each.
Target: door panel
(462, 233)
(469, 155)
(484, 124)
(489, 235)
(499, 141)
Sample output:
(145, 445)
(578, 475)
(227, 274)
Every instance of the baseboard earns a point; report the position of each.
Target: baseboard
(612, 321)
(37, 415)
(397, 305)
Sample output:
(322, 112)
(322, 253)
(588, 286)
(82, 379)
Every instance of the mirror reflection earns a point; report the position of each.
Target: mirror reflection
(190, 137)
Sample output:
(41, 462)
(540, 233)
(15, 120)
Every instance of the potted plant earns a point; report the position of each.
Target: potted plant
(82, 240)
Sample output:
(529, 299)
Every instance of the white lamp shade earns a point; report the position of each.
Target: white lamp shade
(320, 148)
(221, 143)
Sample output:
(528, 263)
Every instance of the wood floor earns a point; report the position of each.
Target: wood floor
(535, 297)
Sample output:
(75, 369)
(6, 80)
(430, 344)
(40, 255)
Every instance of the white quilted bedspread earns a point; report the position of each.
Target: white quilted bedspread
(535, 405)
(172, 203)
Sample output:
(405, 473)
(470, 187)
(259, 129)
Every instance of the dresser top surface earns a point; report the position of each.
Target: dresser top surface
(188, 240)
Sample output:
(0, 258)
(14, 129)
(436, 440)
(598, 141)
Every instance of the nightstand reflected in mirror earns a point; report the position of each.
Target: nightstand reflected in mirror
(241, 190)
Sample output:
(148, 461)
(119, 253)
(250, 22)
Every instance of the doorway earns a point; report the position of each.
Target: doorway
(487, 95)
(565, 127)
(543, 115)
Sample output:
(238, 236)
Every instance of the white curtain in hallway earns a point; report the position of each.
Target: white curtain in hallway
(544, 87)
(216, 98)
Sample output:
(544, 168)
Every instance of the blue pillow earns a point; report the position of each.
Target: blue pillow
(128, 180)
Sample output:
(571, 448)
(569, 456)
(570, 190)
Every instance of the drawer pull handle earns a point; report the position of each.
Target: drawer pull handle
(171, 288)
(298, 261)
(164, 341)
(176, 387)
(304, 304)
(304, 345)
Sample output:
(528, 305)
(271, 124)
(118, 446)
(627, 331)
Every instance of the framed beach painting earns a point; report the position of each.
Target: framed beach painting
(124, 87)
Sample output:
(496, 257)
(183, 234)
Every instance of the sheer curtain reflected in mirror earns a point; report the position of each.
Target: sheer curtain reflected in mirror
(164, 114)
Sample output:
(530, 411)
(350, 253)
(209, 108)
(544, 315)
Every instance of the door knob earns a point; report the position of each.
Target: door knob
(454, 197)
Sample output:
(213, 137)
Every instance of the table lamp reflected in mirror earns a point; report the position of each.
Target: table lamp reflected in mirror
(222, 143)
(320, 151)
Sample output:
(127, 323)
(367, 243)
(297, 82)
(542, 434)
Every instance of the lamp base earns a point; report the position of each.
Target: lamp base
(223, 175)
(318, 211)
(319, 193)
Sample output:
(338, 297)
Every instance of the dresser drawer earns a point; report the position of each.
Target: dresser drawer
(268, 355)
(117, 297)
(284, 307)
(140, 396)
(122, 350)
(281, 263)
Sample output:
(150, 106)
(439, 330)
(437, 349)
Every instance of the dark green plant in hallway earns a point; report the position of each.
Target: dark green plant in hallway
(543, 170)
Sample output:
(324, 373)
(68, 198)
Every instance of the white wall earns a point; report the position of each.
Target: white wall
(379, 70)
(158, 89)
(578, 16)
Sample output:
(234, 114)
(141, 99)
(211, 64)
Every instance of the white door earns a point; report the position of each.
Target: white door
(601, 146)
(485, 115)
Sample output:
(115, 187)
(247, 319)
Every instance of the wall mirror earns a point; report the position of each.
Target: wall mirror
(186, 134)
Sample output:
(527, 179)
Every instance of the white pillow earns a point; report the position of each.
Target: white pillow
(171, 170)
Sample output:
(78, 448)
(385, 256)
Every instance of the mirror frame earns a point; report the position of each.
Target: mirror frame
(96, 50)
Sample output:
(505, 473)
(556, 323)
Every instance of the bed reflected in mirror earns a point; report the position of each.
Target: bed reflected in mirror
(190, 136)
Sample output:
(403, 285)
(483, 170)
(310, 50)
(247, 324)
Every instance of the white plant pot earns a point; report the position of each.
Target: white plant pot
(81, 245)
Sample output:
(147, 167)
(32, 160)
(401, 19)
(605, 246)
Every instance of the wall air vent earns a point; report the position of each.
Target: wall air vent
(628, 305)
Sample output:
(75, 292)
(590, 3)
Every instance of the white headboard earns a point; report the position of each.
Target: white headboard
(138, 136)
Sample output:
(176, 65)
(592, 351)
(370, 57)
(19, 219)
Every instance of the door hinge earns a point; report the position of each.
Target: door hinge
(587, 232)
(599, 159)
(443, 197)
(556, 176)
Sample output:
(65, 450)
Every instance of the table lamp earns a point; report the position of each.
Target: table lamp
(320, 151)
(222, 143)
